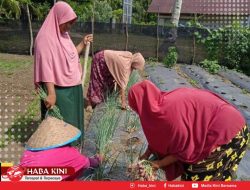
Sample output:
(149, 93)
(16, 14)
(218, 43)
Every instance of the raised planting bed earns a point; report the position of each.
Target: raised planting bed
(222, 87)
(239, 79)
(165, 78)
(118, 135)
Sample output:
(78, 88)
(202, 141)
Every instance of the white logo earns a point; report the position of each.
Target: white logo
(132, 185)
(195, 185)
(165, 185)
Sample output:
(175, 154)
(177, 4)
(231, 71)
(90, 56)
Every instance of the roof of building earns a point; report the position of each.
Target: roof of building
(214, 7)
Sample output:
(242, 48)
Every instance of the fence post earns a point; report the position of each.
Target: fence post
(157, 36)
(126, 31)
(30, 29)
(93, 27)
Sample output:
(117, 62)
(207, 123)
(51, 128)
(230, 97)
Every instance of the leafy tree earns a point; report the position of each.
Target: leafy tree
(102, 11)
(13, 9)
(114, 4)
(140, 14)
(117, 14)
(40, 10)
(10, 9)
(82, 9)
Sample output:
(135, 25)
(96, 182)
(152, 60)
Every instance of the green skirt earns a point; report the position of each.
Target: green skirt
(70, 103)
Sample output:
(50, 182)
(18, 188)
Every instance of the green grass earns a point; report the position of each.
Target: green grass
(193, 82)
(131, 122)
(105, 129)
(244, 91)
(10, 66)
(151, 61)
(161, 81)
(134, 77)
(107, 123)
(88, 70)
(23, 126)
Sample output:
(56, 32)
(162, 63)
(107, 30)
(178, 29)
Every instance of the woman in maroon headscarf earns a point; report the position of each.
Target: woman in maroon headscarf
(194, 133)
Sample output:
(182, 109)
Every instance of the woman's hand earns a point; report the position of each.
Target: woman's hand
(50, 101)
(156, 165)
(166, 161)
(124, 106)
(83, 43)
(146, 155)
(87, 38)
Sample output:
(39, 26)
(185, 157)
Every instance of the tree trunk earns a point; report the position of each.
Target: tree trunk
(30, 28)
(194, 38)
(176, 11)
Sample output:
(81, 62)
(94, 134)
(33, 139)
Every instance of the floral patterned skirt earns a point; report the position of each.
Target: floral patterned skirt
(223, 162)
(101, 80)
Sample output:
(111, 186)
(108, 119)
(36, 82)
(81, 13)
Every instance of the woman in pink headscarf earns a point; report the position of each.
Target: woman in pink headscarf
(193, 132)
(57, 64)
(110, 67)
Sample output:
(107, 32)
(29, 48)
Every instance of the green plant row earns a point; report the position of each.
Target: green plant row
(171, 57)
(229, 46)
(211, 66)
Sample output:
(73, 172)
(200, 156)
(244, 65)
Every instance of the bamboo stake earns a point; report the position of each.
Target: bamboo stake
(86, 56)
(84, 73)
(30, 28)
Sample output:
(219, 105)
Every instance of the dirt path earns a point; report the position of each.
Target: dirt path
(16, 89)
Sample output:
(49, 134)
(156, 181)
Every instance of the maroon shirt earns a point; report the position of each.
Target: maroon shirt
(187, 123)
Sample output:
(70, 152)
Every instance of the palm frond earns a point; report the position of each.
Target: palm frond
(12, 7)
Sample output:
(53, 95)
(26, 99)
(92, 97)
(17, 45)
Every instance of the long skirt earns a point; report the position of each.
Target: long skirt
(101, 80)
(223, 162)
(69, 100)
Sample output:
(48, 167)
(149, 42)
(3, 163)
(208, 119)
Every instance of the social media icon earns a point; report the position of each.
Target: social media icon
(165, 185)
(195, 185)
(132, 185)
